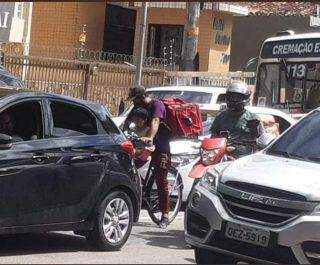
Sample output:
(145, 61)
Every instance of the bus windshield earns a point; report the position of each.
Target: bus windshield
(294, 86)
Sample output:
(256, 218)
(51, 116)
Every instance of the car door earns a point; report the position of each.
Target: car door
(83, 151)
(26, 167)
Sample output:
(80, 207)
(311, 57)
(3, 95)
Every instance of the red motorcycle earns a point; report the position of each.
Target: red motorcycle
(212, 152)
(224, 148)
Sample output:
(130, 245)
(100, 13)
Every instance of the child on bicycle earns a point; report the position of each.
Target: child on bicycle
(139, 118)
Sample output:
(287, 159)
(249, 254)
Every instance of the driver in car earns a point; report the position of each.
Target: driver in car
(7, 127)
(240, 124)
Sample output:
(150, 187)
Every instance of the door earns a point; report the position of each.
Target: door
(83, 155)
(26, 168)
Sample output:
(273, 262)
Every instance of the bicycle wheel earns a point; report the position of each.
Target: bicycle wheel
(175, 196)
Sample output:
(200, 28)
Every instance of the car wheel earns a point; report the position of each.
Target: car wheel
(113, 223)
(204, 256)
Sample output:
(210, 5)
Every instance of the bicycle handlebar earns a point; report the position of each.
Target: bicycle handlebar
(138, 143)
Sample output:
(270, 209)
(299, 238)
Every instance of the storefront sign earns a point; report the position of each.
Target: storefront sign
(6, 15)
(291, 48)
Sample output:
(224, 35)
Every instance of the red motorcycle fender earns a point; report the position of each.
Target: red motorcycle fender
(197, 171)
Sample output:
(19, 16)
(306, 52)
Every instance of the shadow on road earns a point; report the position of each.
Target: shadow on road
(37, 243)
(172, 239)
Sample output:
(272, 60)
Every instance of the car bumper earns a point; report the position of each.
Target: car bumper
(206, 218)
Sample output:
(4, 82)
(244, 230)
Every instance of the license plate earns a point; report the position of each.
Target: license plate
(247, 234)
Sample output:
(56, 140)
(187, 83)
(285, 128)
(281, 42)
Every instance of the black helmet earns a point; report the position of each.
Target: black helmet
(237, 96)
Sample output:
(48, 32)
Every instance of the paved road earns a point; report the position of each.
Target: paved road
(147, 244)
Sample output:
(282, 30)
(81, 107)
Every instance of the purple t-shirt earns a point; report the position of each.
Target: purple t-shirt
(156, 109)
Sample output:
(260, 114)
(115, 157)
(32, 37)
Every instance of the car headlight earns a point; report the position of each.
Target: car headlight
(208, 156)
(182, 160)
(210, 180)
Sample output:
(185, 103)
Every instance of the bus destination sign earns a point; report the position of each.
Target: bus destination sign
(296, 48)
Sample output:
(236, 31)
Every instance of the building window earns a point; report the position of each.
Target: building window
(19, 10)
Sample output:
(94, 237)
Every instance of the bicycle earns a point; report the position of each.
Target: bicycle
(150, 198)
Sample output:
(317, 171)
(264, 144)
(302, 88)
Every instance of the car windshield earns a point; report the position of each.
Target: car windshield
(302, 141)
(188, 96)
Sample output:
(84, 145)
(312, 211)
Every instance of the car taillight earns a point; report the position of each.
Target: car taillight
(128, 147)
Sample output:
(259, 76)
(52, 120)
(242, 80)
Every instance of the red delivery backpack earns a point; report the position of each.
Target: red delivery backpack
(183, 118)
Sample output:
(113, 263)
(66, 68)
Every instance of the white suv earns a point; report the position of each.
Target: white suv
(264, 207)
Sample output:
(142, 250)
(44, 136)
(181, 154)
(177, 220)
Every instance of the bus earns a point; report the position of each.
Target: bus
(288, 73)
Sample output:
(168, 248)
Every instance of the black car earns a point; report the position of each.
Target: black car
(9, 80)
(64, 165)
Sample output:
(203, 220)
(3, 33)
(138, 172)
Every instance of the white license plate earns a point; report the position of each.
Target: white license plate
(247, 234)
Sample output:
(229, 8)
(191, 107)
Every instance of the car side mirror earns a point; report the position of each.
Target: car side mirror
(5, 141)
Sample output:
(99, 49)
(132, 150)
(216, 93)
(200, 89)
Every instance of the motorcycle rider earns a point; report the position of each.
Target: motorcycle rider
(160, 135)
(236, 120)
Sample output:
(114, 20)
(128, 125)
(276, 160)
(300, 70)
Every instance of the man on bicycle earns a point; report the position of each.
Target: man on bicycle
(236, 119)
(159, 133)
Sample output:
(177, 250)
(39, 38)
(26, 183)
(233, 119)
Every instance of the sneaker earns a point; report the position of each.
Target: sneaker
(164, 223)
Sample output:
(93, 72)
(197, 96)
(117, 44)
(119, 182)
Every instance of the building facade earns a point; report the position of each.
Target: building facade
(53, 29)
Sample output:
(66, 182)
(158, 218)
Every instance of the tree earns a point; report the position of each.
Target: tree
(190, 37)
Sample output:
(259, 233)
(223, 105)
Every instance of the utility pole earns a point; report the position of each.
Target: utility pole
(190, 37)
(139, 62)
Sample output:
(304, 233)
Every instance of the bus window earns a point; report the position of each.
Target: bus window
(291, 88)
(268, 82)
(313, 86)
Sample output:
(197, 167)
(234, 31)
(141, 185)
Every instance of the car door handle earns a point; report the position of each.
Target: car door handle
(40, 158)
(96, 156)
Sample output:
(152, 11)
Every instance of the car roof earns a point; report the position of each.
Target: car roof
(206, 89)
(270, 111)
(261, 110)
(10, 94)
